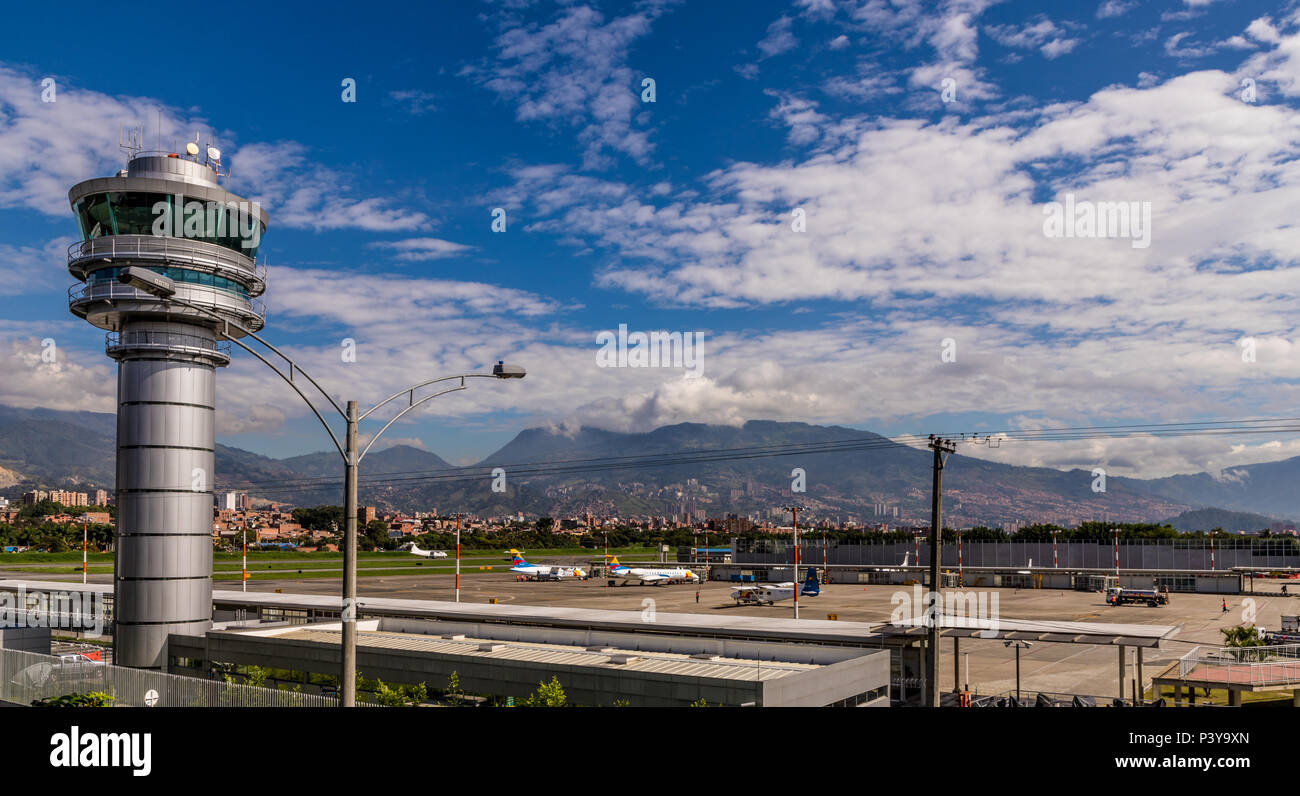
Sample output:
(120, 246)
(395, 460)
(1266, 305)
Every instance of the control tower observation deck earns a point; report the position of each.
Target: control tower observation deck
(168, 214)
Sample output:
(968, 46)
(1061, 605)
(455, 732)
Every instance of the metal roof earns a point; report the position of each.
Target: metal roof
(675, 664)
(1039, 630)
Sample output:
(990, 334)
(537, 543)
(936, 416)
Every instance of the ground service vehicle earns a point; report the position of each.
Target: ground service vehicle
(1152, 597)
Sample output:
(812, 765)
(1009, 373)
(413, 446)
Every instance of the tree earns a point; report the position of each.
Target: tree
(453, 687)
(1242, 636)
(256, 676)
(90, 699)
(547, 695)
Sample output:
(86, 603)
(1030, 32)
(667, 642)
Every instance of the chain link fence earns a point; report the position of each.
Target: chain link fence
(29, 676)
(1191, 554)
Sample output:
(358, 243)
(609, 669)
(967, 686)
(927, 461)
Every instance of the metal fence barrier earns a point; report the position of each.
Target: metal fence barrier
(28, 676)
(1183, 554)
(1255, 666)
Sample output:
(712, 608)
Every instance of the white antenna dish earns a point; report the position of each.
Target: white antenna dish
(191, 149)
(214, 153)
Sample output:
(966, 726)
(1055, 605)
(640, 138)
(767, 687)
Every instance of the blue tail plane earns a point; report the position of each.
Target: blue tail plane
(810, 587)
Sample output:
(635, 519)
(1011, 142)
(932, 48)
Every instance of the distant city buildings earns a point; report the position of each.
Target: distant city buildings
(58, 496)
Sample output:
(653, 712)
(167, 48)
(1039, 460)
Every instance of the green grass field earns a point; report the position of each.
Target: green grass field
(279, 564)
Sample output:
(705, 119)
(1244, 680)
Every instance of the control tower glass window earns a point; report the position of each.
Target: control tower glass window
(183, 275)
(135, 213)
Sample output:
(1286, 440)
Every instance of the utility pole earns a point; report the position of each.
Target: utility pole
(458, 556)
(350, 459)
(794, 513)
(85, 544)
(243, 538)
(940, 447)
(706, 553)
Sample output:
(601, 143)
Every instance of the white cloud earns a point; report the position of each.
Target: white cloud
(45, 148)
(416, 101)
(420, 249)
(1039, 33)
(573, 71)
(779, 38)
(302, 194)
(54, 377)
(1114, 8)
(28, 269)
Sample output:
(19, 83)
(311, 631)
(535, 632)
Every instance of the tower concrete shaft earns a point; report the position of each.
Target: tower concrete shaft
(168, 214)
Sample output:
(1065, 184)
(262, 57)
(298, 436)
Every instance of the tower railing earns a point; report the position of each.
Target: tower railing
(178, 342)
(198, 254)
(249, 312)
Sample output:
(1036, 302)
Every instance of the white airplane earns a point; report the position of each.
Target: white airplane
(906, 556)
(544, 571)
(771, 593)
(415, 550)
(655, 575)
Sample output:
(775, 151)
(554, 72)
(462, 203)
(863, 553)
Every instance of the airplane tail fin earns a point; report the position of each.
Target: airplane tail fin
(905, 557)
(810, 586)
(517, 560)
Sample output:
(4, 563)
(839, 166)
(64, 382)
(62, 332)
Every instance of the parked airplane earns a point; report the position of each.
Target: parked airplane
(544, 571)
(771, 593)
(416, 551)
(901, 566)
(654, 575)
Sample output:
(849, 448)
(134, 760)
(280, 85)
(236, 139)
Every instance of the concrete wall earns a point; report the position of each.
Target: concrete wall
(830, 683)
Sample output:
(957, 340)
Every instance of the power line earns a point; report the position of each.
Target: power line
(600, 464)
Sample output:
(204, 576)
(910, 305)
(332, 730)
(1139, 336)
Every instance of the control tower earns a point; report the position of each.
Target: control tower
(165, 213)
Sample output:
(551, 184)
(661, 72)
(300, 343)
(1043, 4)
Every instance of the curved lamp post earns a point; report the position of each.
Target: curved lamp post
(160, 286)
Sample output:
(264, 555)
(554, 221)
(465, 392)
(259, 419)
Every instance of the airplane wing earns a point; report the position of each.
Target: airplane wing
(651, 577)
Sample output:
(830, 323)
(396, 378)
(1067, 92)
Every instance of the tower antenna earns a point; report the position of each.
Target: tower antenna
(129, 139)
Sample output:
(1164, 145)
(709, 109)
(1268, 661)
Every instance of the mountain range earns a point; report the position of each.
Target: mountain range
(568, 472)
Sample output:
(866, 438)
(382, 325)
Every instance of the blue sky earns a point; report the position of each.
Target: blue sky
(923, 217)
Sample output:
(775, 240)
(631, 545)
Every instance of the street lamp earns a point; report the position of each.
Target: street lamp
(160, 286)
(1018, 645)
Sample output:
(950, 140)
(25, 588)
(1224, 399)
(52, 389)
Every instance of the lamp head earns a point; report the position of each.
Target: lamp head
(148, 281)
(503, 371)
